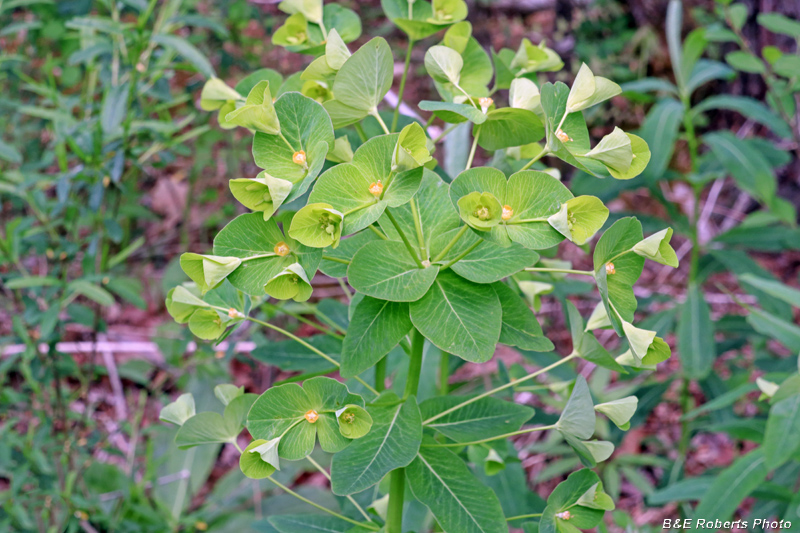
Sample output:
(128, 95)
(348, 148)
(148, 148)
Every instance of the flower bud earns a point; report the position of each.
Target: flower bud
(299, 158)
(610, 268)
(311, 416)
(281, 249)
(562, 136)
(566, 515)
(485, 103)
(376, 188)
(507, 212)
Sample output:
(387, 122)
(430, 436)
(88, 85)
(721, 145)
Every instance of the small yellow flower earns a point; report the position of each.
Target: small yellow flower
(562, 136)
(610, 268)
(312, 416)
(200, 526)
(299, 158)
(566, 515)
(376, 188)
(281, 249)
(507, 212)
(233, 313)
(485, 103)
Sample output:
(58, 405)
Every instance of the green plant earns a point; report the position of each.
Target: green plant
(436, 266)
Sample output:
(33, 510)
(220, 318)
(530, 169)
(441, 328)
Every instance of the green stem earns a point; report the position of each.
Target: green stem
(397, 489)
(490, 439)
(523, 516)
(414, 364)
(461, 256)
(336, 259)
(473, 149)
(306, 321)
(380, 375)
(500, 388)
(378, 232)
(350, 498)
(444, 133)
(236, 444)
(418, 228)
(530, 163)
(444, 373)
(306, 345)
(292, 148)
(402, 234)
(361, 133)
(402, 87)
(377, 116)
(286, 489)
(260, 256)
(452, 243)
(561, 271)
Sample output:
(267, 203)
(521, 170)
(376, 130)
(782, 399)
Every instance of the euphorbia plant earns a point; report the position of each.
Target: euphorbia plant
(437, 262)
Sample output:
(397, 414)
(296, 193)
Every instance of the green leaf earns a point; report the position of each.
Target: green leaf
(384, 270)
(745, 62)
(258, 112)
(508, 127)
(183, 301)
(486, 263)
(392, 443)
(705, 71)
(578, 418)
(657, 248)
(535, 58)
(528, 198)
(419, 20)
(226, 392)
(291, 282)
(290, 356)
(375, 329)
(748, 107)
(660, 132)
(585, 344)
(187, 50)
(614, 151)
(773, 288)
(354, 421)
(454, 113)
(733, 485)
(264, 249)
(777, 23)
(520, 327)
(361, 83)
(482, 419)
(312, 522)
(696, 335)
(92, 291)
(346, 250)
(296, 415)
(459, 317)
(480, 210)
(619, 411)
(253, 465)
(29, 282)
(782, 435)
(310, 9)
(208, 271)
(412, 149)
(317, 225)
(207, 324)
(263, 193)
(443, 64)
(524, 94)
(458, 500)
(579, 218)
(115, 103)
(178, 411)
(10, 153)
(771, 326)
(564, 512)
(307, 128)
(588, 90)
(207, 428)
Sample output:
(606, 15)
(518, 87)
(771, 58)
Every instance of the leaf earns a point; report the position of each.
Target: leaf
(674, 25)
(482, 419)
(566, 511)
(92, 291)
(777, 23)
(782, 435)
(579, 218)
(657, 248)
(208, 271)
(207, 428)
(290, 356)
(252, 464)
(291, 282)
(488, 262)
(392, 443)
(448, 316)
(306, 523)
(347, 248)
(771, 326)
(384, 270)
(520, 327)
(745, 62)
(10, 153)
(619, 411)
(772, 287)
(306, 127)
(115, 104)
(508, 127)
(354, 421)
(745, 162)
(29, 282)
(454, 113)
(749, 108)
(226, 392)
(375, 329)
(586, 345)
(696, 335)
(589, 90)
(578, 417)
(187, 50)
(733, 485)
(660, 132)
(443, 64)
(178, 411)
(263, 193)
(459, 502)
(255, 240)
(258, 112)
(412, 149)
(480, 210)
(705, 71)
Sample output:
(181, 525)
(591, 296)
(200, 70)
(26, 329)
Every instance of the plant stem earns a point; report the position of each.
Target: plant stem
(452, 243)
(336, 259)
(522, 516)
(361, 133)
(418, 228)
(414, 364)
(444, 133)
(377, 116)
(397, 489)
(444, 373)
(350, 498)
(306, 321)
(530, 163)
(490, 439)
(292, 148)
(380, 375)
(306, 345)
(462, 255)
(500, 388)
(561, 271)
(402, 87)
(402, 234)
(473, 149)
(321, 508)
(378, 232)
